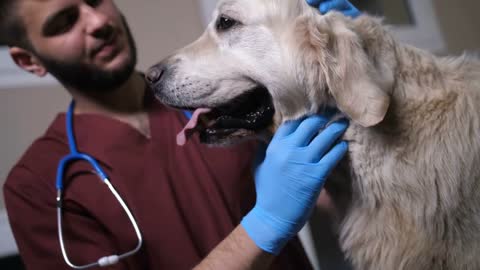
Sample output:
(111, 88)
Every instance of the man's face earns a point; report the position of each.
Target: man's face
(85, 44)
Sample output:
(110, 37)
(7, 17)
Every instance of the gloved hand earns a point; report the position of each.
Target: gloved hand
(343, 6)
(289, 179)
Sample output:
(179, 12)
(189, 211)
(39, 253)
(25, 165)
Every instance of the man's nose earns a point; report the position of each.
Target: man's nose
(98, 23)
(104, 32)
(154, 74)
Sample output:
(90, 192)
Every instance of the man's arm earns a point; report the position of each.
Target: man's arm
(288, 180)
(237, 252)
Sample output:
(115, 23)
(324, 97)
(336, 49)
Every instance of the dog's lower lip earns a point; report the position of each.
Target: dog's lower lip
(216, 136)
(212, 135)
(216, 132)
(227, 122)
(243, 116)
(252, 121)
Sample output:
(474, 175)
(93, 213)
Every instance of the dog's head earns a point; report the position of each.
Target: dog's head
(262, 62)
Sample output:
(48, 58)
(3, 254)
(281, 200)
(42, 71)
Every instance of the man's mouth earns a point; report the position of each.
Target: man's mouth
(107, 48)
(241, 117)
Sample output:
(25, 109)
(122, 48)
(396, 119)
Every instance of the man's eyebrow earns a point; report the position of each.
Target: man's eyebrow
(53, 17)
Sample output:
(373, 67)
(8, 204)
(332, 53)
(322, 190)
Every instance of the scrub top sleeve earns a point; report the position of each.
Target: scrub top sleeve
(31, 211)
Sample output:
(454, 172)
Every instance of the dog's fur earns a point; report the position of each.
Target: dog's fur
(414, 138)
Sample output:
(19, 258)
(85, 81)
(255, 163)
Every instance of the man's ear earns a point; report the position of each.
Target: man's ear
(354, 82)
(332, 56)
(27, 61)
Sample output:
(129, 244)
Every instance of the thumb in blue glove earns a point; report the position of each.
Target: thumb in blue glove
(343, 6)
(289, 179)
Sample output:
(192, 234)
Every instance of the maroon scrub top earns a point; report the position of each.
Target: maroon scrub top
(185, 199)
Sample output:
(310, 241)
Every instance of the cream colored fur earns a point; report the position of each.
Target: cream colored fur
(414, 140)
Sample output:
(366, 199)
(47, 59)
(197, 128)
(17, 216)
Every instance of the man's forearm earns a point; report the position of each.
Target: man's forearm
(236, 252)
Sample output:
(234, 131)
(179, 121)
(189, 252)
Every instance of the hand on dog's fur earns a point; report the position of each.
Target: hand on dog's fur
(293, 172)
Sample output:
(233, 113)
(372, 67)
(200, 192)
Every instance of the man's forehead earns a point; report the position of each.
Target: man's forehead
(43, 6)
(43, 3)
(36, 11)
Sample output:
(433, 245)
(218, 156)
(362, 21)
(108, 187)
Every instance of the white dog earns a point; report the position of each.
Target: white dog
(413, 165)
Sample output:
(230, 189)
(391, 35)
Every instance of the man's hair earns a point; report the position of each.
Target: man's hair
(12, 29)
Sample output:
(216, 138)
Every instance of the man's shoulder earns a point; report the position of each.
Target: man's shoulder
(42, 156)
(48, 147)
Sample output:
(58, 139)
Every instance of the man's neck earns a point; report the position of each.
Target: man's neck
(125, 104)
(127, 99)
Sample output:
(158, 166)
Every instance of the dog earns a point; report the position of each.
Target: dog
(413, 164)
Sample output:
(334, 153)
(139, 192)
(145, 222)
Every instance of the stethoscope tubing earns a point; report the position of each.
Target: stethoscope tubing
(73, 156)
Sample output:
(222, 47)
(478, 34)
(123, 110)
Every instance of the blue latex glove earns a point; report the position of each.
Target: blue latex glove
(343, 6)
(289, 178)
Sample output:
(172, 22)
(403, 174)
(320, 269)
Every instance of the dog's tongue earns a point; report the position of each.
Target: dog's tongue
(189, 128)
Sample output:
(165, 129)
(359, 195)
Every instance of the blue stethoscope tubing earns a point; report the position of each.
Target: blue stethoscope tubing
(188, 114)
(73, 156)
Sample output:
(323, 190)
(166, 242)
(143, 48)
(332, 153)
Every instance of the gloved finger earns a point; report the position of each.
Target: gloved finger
(331, 159)
(339, 5)
(308, 129)
(315, 2)
(324, 141)
(353, 12)
(286, 129)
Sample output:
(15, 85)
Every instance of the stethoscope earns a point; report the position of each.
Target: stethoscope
(73, 156)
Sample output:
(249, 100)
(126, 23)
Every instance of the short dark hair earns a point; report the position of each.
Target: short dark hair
(12, 28)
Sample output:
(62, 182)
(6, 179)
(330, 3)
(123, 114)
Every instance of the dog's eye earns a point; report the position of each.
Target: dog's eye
(224, 23)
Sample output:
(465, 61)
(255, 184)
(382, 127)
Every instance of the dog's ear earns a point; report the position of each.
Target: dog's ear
(352, 79)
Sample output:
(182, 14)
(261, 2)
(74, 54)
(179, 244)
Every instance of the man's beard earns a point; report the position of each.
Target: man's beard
(87, 78)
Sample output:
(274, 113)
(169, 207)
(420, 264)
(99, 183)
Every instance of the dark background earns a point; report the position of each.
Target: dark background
(395, 12)
(11, 263)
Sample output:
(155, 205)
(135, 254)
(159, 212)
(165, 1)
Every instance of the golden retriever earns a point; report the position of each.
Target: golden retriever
(413, 164)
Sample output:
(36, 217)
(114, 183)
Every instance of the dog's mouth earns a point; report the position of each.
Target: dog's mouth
(244, 116)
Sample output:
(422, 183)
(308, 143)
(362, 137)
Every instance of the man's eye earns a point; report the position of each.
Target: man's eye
(224, 23)
(62, 24)
(93, 3)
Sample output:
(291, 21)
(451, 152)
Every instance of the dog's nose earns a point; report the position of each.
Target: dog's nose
(154, 74)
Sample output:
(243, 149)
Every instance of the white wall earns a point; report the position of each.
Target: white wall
(206, 8)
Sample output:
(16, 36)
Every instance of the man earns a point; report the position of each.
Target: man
(188, 202)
